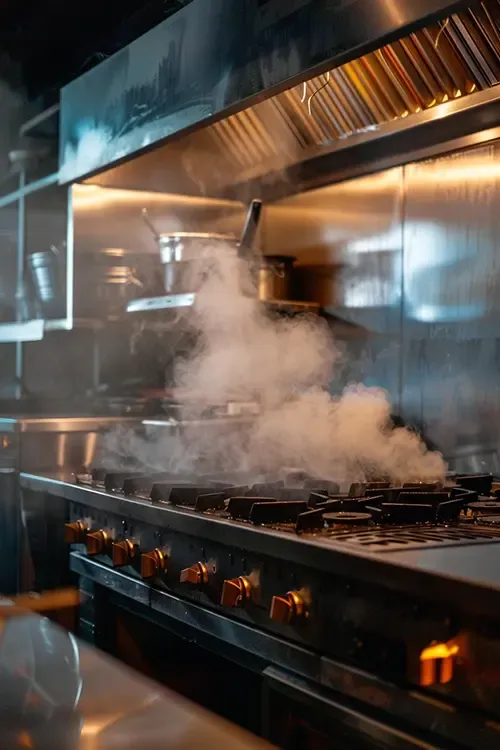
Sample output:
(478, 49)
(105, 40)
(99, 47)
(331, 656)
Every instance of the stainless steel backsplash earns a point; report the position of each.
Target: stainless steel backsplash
(411, 257)
(405, 261)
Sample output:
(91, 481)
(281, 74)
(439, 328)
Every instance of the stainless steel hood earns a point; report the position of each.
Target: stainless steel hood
(437, 64)
(215, 58)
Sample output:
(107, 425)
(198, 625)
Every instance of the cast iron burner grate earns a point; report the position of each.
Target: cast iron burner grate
(374, 516)
(383, 539)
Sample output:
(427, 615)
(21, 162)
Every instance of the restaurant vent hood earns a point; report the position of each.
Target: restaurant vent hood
(441, 63)
(247, 62)
(404, 101)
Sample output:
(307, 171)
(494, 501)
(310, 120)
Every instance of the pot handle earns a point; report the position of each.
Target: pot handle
(250, 229)
(134, 280)
(56, 249)
(149, 224)
(279, 274)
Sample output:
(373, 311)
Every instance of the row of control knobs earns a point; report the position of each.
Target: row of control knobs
(235, 591)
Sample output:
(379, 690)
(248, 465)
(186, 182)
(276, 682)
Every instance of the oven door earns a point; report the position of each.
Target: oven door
(300, 716)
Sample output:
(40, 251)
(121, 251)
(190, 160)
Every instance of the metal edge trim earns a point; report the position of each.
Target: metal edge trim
(110, 579)
(475, 116)
(350, 715)
(30, 187)
(411, 705)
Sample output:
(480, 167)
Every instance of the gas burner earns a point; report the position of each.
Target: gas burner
(347, 519)
(313, 504)
(486, 507)
(489, 520)
(277, 512)
(480, 483)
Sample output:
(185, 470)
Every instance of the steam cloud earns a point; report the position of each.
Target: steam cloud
(285, 366)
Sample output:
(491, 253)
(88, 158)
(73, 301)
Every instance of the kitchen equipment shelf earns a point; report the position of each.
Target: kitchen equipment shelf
(34, 330)
(175, 301)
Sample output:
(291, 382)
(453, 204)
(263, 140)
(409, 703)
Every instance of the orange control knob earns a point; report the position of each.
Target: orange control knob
(287, 608)
(152, 563)
(235, 592)
(74, 533)
(123, 552)
(196, 574)
(97, 542)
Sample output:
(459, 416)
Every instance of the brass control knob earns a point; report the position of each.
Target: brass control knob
(197, 574)
(288, 608)
(97, 542)
(75, 533)
(235, 592)
(152, 563)
(123, 552)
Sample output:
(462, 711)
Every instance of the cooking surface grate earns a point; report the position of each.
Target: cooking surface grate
(415, 537)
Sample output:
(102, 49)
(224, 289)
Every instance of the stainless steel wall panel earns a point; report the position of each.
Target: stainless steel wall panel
(451, 339)
(347, 239)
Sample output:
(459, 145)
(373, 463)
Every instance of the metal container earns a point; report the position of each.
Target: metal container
(107, 280)
(185, 257)
(274, 277)
(47, 271)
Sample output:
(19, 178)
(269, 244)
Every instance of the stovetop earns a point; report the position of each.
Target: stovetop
(446, 541)
(374, 516)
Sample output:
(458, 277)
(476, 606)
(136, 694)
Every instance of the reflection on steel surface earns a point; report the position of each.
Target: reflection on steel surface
(52, 686)
(452, 284)
(412, 256)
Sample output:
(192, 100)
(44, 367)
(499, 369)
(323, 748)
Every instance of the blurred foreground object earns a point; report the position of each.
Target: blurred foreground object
(45, 602)
(56, 692)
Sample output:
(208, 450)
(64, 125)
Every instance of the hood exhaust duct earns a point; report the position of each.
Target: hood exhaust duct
(212, 59)
(401, 101)
(438, 64)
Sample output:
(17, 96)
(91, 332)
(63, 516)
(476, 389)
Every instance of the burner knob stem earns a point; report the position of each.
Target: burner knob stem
(152, 563)
(235, 592)
(123, 552)
(197, 574)
(75, 533)
(288, 608)
(97, 542)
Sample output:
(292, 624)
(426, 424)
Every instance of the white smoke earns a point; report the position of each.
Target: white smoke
(285, 364)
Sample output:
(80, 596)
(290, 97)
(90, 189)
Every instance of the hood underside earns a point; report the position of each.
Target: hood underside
(210, 60)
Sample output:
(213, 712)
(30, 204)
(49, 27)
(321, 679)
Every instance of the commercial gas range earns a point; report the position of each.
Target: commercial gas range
(374, 610)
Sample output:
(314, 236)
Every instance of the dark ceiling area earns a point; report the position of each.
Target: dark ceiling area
(43, 45)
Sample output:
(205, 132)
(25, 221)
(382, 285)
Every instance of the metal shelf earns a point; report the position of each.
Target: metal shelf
(30, 330)
(43, 125)
(166, 302)
(34, 330)
(28, 188)
(176, 301)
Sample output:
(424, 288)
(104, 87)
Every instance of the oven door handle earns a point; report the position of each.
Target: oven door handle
(376, 733)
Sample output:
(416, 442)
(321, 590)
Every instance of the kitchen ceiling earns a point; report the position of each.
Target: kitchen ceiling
(45, 45)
